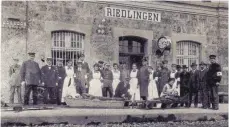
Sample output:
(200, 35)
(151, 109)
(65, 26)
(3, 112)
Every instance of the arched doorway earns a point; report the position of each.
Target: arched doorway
(131, 50)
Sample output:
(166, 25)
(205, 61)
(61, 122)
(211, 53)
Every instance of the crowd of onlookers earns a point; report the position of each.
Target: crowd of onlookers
(145, 83)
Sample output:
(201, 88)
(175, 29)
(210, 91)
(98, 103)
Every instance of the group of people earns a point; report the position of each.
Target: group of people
(104, 80)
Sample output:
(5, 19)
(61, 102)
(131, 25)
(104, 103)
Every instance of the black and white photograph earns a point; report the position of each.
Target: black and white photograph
(123, 63)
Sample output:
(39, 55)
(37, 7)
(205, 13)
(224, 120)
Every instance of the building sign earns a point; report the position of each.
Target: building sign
(132, 14)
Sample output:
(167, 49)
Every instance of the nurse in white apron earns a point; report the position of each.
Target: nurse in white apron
(96, 84)
(69, 88)
(116, 76)
(134, 88)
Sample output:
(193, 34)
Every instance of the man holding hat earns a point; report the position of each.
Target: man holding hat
(184, 81)
(49, 78)
(193, 85)
(30, 77)
(61, 75)
(203, 86)
(214, 76)
(14, 82)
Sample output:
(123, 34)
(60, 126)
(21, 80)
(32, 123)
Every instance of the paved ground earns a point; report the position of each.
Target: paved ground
(85, 116)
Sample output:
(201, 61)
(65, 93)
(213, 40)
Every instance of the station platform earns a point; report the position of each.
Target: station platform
(58, 115)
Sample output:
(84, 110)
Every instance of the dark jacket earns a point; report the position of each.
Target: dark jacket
(194, 80)
(49, 76)
(184, 79)
(202, 79)
(30, 72)
(120, 90)
(143, 80)
(80, 79)
(212, 77)
(61, 75)
(107, 76)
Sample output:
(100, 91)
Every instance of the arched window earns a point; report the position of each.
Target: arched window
(188, 52)
(67, 45)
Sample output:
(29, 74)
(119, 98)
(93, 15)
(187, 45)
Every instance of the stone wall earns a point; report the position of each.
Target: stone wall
(92, 14)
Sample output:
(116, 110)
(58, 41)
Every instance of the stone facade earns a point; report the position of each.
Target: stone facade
(204, 23)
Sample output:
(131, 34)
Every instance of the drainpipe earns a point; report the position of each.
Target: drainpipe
(26, 28)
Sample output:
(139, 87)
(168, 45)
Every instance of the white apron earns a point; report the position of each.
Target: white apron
(152, 88)
(69, 88)
(134, 90)
(95, 84)
(116, 79)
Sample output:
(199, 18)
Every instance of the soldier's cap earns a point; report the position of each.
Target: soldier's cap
(193, 64)
(32, 53)
(202, 63)
(171, 79)
(164, 61)
(184, 66)
(49, 58)
(212, 56)
(122, 62)
(107, 64)
(178, 66)
(173, 65)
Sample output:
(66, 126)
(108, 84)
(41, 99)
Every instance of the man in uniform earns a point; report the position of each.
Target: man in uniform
(214, 76)
(184, 80)
(61, 75)
(30, 77)
(14, 82)
(49, 78)
(193, 85)
(124, 72)
(203, 86)
(107, 76)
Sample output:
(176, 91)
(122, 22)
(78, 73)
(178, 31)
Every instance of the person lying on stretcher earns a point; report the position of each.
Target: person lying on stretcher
(169, 94)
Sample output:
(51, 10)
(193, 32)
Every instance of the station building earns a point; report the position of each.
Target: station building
(114, 31)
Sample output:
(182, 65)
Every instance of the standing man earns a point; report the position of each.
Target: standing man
(107, 76)
(85, 66)
(30, 77)
(49, 78)
(193, 85)
(184, 86)
(204, 90)
(143, 79)
(61, 75)
(14, 82)
(80, 79)
(163, 77)
(214, 76)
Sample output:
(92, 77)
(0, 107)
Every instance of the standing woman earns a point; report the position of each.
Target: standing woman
(69, 88)
(116, 76)
(134, 88)
(95, 88)
(152, 88)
